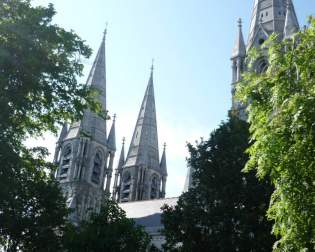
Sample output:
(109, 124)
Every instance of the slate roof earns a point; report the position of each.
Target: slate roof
(147, 213)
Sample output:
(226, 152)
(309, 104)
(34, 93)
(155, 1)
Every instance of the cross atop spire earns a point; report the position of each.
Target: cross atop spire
(239, 21)
(152, 69)
(105, 31)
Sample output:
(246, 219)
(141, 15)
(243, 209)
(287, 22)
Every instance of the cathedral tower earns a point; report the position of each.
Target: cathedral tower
(238, 67)
(143, 176)
(84, 154)
(269, 16)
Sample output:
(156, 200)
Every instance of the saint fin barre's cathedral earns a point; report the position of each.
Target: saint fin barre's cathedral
(85, 154)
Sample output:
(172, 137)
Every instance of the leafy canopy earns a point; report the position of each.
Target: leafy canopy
(225, 209)
(282, 114)
(110, 230)
(39, 66)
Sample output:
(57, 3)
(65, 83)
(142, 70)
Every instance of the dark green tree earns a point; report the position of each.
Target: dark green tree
(39, 66)
(225, 210)
(32, 209)
(282, 114)
(110, 230)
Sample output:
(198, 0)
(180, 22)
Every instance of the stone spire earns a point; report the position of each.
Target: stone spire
(142, 176)
(97, 76)
(268, 17)
(163, 165)
(239, 49)
(122, 155)
(238, 67)
(144, 148)
(118, 173)
(93, 125)
(291, 25)
(111, 141)
(163, 168)
(85, 161)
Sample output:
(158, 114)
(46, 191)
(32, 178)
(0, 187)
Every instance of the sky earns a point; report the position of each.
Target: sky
(191, 42)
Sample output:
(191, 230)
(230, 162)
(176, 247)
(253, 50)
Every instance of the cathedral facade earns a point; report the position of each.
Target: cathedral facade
(85, 154)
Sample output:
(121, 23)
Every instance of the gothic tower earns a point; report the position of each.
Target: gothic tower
(84, 154)
(238, 67)
(143, 176)
(269, 16)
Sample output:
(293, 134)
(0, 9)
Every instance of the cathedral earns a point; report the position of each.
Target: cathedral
(85, 152)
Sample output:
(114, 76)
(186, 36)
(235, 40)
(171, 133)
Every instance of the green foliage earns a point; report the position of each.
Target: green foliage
(32, 209)
(282, 113)
(39, 64)
(110, 230)
(225, 209)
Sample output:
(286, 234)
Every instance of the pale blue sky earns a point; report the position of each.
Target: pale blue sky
(191, 42)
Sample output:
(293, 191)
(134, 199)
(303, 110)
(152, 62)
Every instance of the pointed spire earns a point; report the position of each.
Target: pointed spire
(239, 48)
(118, 173)
(93, 125)
(97, 76)
(144, 148)
(291, 25)
(121, 161)
(163, 165)
(111, 141)
(63, 133)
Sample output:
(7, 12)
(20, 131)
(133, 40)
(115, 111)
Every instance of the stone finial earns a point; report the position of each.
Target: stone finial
(239, 49)
(239, 21)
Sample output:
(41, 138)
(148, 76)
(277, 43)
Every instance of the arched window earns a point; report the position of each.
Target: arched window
(261, 66)
(155, 186)
(261, 41)
(97, 164)
(126, 183)
(65, 162)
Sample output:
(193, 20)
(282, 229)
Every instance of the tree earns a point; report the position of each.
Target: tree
(109, 230)
(281, 113)
(225, 209)
(39, 64)
(32, 210)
